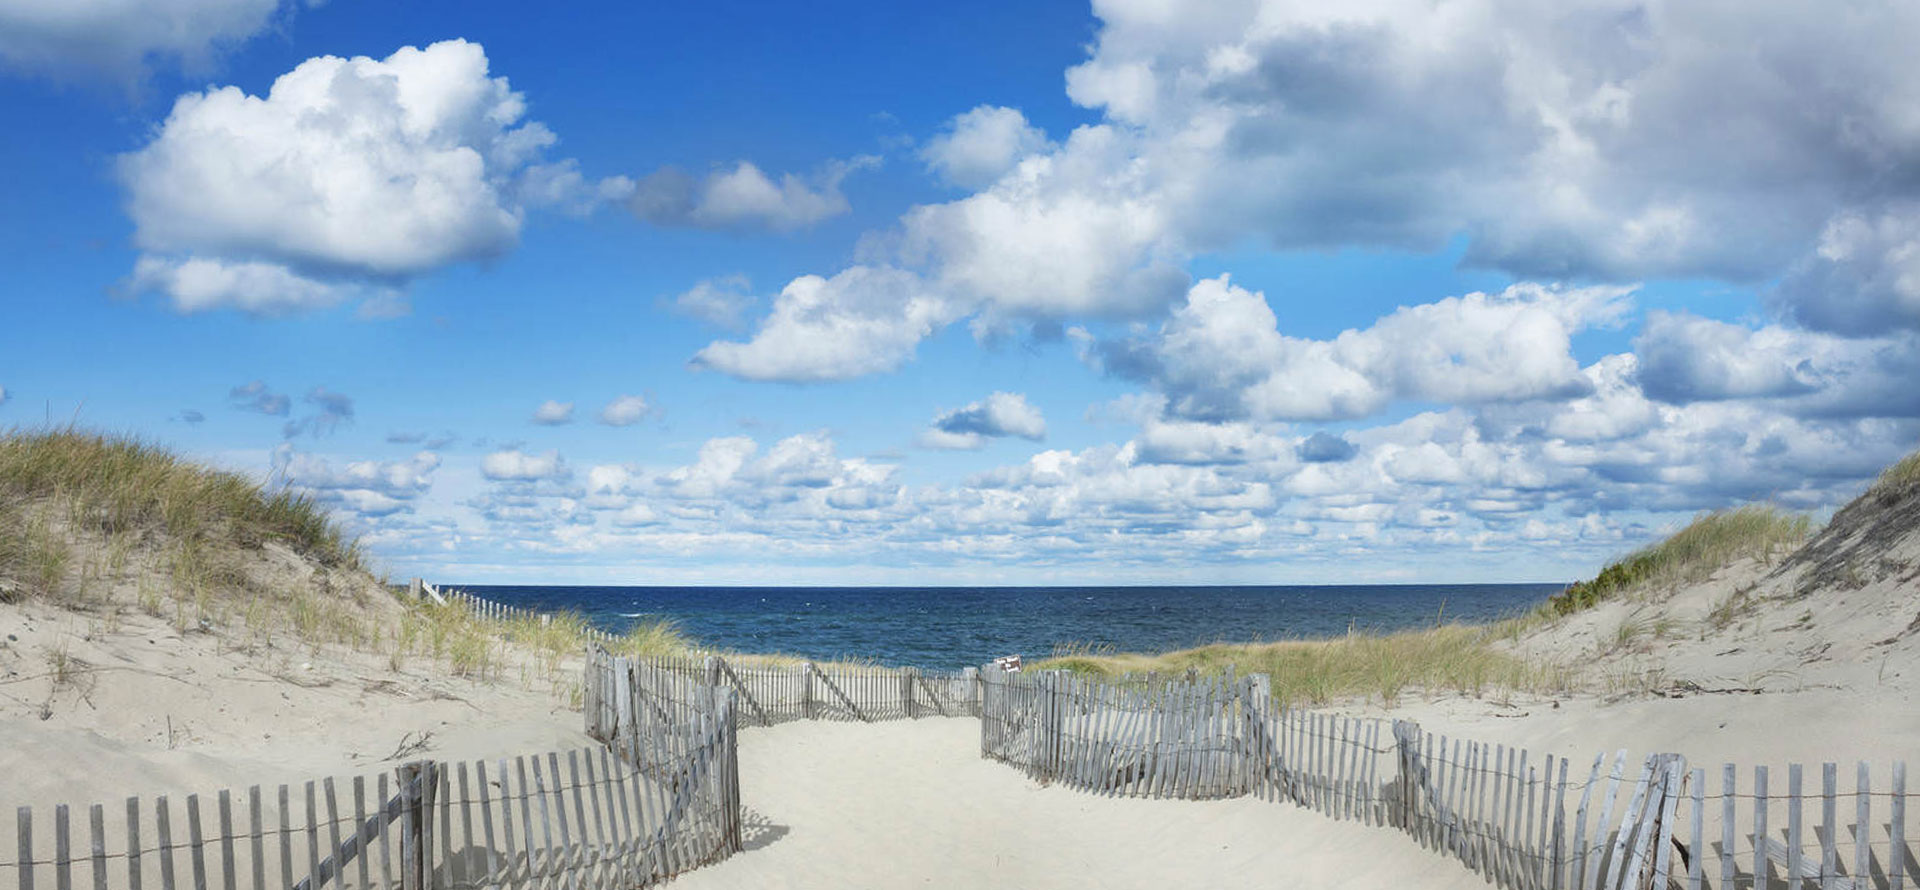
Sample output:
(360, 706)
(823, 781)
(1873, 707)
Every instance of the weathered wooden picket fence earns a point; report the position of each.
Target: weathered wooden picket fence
(776, 693)
(1521, 821)
(1180, 740)
(489, 610)
(663, 797)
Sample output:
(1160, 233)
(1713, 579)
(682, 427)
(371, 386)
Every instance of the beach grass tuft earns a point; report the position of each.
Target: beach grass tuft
(1900, 478)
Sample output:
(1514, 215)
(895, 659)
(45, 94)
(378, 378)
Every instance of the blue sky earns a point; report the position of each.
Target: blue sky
(1003, 293)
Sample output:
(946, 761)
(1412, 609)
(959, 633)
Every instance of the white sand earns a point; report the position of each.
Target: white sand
(148, 710)
(912, 804)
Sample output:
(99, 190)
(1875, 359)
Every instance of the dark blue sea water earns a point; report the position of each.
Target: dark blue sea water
(950, 627)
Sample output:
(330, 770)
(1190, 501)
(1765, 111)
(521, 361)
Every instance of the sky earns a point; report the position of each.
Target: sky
(999, 293)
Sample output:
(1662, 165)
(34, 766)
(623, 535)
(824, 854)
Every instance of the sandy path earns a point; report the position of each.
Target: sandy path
(912, 804)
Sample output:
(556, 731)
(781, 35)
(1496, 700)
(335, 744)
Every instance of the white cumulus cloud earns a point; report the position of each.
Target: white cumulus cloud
(514, 465)
(366, 487)
(861, 321)
(1221, 356)
(120, 38)
(979, 146)
(348, 174)
(553, 413)
(721, 301)
(999, 415)
(625, 410)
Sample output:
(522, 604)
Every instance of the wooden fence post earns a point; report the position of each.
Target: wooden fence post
(622, 692)
(1255, 708)
(589, 699)
(416, 837)
(806, 690)
(906, 693)
(972, 677)
(1406, 736)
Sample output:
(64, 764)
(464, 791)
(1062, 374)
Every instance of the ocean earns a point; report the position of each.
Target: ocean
(951, 627)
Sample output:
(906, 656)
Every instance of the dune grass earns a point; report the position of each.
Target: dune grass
(121, 486)
(1468, 659)
(1448, 658)
(1756, 531)
(1901, 477)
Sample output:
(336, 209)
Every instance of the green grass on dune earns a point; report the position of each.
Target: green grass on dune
(1449, 658)
(1468, 659)
(1896, 479)
(1713, 540)
(117, 485)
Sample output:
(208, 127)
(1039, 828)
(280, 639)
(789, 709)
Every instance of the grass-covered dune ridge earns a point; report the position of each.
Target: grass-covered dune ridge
(103, 529)
(1471, 659)
(1755, 531)
(1529, 653)
(1451, 657)
(126, 489)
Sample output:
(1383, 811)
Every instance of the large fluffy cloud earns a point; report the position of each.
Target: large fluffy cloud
(1220, 356)
(117, 38)
(1593, 139)
(1589, 141)
(350, 176)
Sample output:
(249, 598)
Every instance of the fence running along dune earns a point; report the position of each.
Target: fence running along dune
(488, 610)
(661, 798)
(771, 693)
(1524, 822)
(585, 818)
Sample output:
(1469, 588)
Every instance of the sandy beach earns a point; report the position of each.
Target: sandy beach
(912, 804)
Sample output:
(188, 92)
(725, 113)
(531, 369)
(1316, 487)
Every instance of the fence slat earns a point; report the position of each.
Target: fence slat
(133, 843)
(62, 858)
(256, 841)
(1862, 822)
(1897, 828)
(97, 831)
(227, 877)
(440, 818)
(1760, 826)
(196, 848)
(386, 834)
(1557, 862)
(1829, 791)
(1729, 811)
(1696, 863)
(1793, 822)
(286, 839)
(163, 829)
(331, 865)
(1594, 846)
